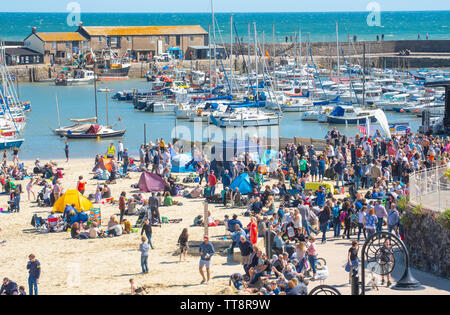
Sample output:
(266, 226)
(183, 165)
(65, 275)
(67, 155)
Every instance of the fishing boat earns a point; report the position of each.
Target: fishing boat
(111, 67)
(80, 77)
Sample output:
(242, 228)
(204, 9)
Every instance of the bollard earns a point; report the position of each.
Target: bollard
(355, 281)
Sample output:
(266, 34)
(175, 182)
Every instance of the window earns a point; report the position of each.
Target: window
(178, 40)
(191, 38)
(85, 44)
(54, 45)
(167, 40)
(129, 38)
(100, 39)
(68, 46)
(113, 42)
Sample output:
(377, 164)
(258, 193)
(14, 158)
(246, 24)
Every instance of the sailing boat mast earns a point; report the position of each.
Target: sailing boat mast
(214, 40)
(249, 59)
(231, 52)
(256, 61)
(338, 59)
(57, 111)
(210, 71)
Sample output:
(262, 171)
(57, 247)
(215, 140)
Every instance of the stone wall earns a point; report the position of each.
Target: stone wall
(428, 242)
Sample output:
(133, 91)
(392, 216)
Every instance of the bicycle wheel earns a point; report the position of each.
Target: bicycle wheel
(320, 263)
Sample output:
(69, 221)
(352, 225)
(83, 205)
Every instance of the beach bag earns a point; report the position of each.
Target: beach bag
(342, 216)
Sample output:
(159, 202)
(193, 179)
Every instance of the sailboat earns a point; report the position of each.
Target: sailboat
(12, 117)
(88, 128)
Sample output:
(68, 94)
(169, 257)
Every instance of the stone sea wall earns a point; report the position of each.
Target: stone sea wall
(428, 241)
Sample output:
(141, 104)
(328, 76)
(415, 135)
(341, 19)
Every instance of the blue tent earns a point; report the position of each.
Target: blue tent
(242, 182)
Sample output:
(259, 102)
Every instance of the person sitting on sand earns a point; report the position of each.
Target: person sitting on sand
(75, 232)
(94, 230)
(106, 192)
(114, 227)
(198, 221)
(197, 192)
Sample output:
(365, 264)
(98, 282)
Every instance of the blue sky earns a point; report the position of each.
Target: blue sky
(221, 5)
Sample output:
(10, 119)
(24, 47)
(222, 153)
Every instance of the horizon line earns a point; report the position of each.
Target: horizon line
(230, 12)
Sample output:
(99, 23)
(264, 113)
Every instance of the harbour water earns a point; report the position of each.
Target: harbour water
(320, 25)
(79, 102)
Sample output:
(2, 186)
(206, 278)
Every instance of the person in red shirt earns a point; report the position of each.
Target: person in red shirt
(81, 185)
(212, 180)
(253, 228)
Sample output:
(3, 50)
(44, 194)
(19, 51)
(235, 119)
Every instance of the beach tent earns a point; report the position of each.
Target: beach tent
(72, 196)
(104, 164)
(243, 183)
(151, 182)
(179, 163)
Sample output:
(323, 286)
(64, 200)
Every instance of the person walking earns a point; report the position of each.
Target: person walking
(206, 252)
(361, 214)
(126, 161)
(66, 151)
(143, 248)
(122, 203)
(183, 242)
(34, 273)
(370, 222)
(352, 260)
(147, 229)
(119, 151)
(393, 219)
(324, 221)
(381, 213)
(212, 180)
(312, 255)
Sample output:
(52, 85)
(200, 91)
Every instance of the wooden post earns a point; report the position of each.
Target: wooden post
(205, 218)
(145, 133)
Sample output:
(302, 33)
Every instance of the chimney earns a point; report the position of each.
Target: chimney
(33, 30)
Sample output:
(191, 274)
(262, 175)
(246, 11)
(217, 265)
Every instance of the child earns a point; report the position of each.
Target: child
(312, 255)
(22, 290)
(81, 185)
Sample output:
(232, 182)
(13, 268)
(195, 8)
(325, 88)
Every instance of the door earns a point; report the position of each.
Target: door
(160, 47)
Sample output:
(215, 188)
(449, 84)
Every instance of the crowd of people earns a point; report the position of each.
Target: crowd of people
(371, 177)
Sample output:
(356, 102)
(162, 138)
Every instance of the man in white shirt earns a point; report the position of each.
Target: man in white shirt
(119, 151)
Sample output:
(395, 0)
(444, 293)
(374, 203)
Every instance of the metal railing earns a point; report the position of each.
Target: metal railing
(431, 188)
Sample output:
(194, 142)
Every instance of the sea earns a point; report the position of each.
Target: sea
(320, 26)
(78, 102)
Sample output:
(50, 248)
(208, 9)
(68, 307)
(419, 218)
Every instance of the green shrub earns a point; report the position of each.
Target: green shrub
(444, 219)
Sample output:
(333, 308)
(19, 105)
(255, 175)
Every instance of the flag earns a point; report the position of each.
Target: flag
(267, 54)
(363, 130)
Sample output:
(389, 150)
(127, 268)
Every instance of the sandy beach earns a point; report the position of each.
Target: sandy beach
(106, 265)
